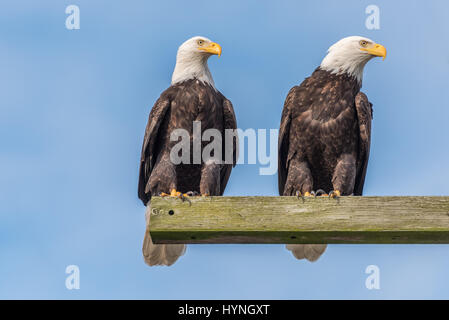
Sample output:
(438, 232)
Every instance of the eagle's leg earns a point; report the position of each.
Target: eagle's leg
(210, 179)
(163, 179)
(299, 179)
(343, 179)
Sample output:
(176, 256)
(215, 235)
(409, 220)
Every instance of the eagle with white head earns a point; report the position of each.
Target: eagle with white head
(325, 131)
(191, 97)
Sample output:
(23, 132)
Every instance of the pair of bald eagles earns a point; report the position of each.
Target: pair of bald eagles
(324, 136)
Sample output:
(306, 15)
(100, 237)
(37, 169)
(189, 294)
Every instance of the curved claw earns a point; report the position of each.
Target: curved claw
(335, 194)
(320, 192)
(176, 194)
(299, 195)
(185, 197)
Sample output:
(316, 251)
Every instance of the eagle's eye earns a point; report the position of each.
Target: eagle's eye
(363, 43)
(200, 42)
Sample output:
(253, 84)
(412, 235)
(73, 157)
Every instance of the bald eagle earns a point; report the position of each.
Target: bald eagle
(325, 131)
(191, 97)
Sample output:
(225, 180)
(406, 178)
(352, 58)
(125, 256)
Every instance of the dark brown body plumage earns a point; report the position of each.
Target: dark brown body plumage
(177, 108)
(324, 137)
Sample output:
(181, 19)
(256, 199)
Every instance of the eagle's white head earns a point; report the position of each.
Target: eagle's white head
(191, 60)
(350, 55)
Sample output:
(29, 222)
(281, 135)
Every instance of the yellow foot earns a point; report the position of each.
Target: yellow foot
(306, 194)
(175, 194)
(299, 195)
(179, 195)
(335, 194)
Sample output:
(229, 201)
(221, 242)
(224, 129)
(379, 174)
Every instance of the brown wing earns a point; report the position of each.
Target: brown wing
(284, 140)
(365, 116)
(230, 122)
(148, 156)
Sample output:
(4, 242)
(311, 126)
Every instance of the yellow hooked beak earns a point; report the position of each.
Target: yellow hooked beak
(377, 50)
(212, 48)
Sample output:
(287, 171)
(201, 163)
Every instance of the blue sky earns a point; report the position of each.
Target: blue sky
(73, 109)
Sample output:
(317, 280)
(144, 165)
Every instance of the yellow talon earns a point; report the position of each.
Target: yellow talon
(177, 194)
(173, 193)
(335, 194)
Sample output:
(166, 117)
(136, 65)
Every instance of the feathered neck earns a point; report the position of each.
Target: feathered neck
(192, 66)
(345, 62)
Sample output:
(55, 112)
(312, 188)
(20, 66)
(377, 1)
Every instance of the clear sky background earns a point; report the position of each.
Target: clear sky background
(73, 109)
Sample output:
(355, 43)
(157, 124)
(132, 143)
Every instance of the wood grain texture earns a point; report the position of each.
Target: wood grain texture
(350, 220)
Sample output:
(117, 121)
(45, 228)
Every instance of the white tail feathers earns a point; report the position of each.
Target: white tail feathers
(159, 254)
(311, 252)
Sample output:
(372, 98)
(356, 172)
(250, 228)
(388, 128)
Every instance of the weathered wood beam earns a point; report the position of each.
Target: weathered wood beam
(350, 220)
